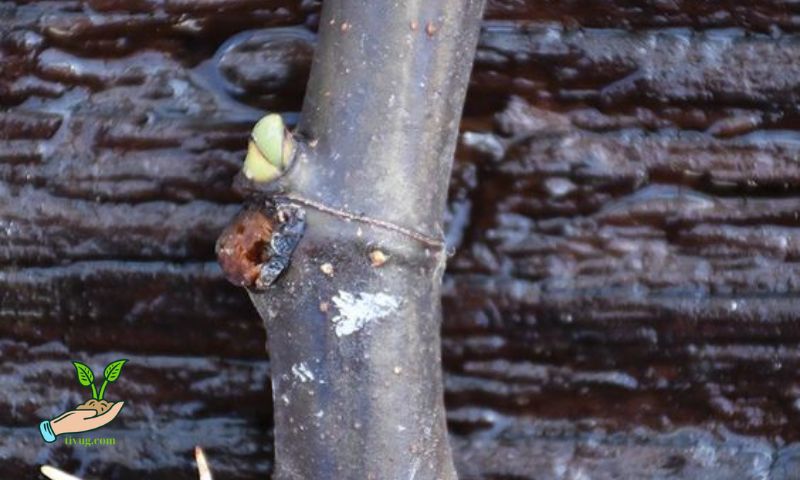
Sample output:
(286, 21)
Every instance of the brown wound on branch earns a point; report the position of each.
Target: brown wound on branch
(244, 246)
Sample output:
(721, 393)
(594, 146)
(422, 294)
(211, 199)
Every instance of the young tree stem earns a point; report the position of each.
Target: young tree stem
(355, 344)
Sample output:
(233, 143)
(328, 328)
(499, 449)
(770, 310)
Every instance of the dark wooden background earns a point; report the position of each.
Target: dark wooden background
(623, 298)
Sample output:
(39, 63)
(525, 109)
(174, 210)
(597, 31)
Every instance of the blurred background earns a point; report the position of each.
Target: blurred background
(624, 212)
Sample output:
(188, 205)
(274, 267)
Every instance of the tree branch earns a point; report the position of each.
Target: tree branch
(354, 320)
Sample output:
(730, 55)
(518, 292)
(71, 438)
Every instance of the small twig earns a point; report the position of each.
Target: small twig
(202, 464)
(55, 474)
(202, 468)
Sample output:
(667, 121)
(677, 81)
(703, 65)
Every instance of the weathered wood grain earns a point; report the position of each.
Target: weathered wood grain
(624, 213)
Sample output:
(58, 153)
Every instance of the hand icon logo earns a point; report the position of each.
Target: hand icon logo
(91, 415)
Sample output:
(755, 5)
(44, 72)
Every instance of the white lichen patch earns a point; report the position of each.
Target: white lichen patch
(302, 372)
(359, 309)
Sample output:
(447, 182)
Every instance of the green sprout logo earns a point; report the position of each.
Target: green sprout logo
(94, 413)
(86, 377)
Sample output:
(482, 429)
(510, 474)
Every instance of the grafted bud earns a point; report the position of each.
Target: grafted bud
(270, 149)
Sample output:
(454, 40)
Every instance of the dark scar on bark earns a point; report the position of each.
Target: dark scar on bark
(257, 246)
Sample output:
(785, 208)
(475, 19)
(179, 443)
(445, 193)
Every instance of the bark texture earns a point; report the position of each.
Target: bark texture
(622, 302)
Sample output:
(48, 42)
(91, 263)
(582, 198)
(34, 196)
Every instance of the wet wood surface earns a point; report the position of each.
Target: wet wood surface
(623, 297)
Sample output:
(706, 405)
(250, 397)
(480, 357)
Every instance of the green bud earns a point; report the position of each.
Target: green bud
(270, 149)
